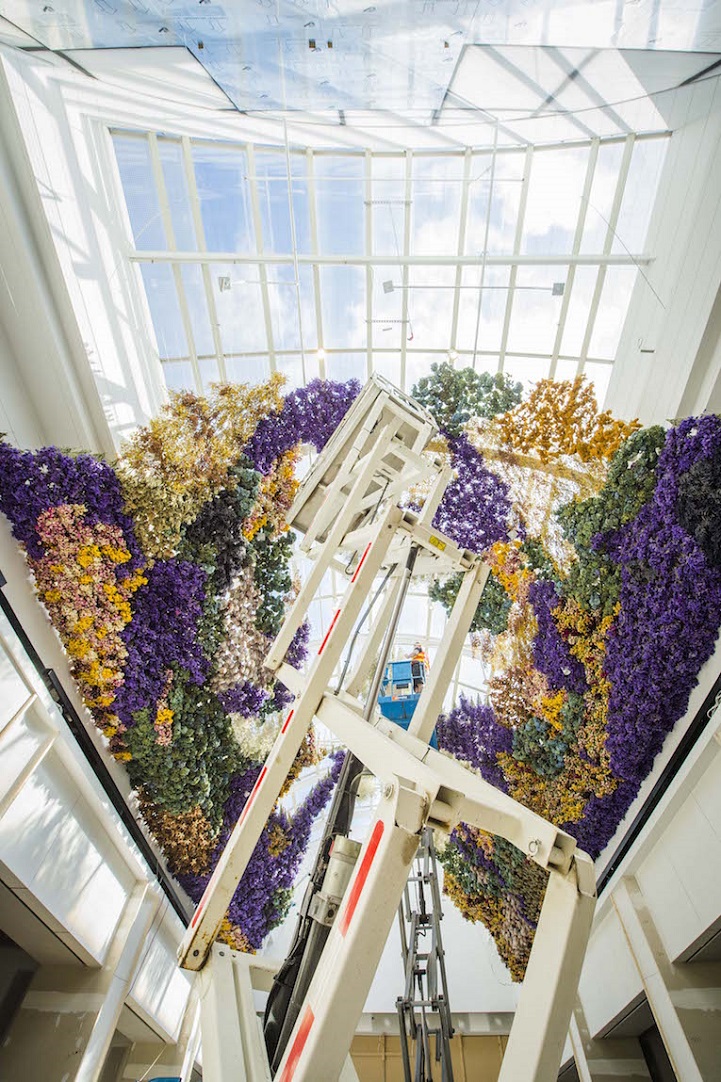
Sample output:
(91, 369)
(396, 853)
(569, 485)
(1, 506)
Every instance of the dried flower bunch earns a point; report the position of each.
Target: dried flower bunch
(167, 573)
(165, 576)
(596, 621)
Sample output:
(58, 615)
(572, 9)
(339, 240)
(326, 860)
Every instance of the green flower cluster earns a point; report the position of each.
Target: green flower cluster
(455, 395)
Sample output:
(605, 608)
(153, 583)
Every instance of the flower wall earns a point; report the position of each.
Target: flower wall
(166, 575)
(603, 603)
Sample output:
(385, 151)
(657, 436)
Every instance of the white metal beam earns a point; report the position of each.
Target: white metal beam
(511, 259)
(610, 235)
(516, 251)
(200, 241)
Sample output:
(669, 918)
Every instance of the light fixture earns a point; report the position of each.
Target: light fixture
(557, 289)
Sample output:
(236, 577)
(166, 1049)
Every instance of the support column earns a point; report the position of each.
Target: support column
(606, 1060)
(66, 1024)
(682, 998)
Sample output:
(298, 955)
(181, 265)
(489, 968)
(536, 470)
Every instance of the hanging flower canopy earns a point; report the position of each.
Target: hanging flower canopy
(167, 574)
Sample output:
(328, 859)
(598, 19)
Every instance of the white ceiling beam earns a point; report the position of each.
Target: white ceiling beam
(405, 264)
(577, 238)
(516, 251)
(200, 241)
(313, 260)
(262, 268)
(610, 235)
(510, 259)
(462, 223)
(167, 219)
(368, 209)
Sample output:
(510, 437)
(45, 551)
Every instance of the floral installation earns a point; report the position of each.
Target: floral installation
(166, 575)
(601, 607)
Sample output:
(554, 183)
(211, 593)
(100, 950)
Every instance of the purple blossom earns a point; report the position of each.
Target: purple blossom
(471, 733)
(309, 415)
(162, 632)
(33, 481)
(551, 654)
(253, 906)
(475, 508)
(245, 699)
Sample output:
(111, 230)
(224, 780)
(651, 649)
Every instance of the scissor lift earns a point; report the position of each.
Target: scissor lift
(348, 511)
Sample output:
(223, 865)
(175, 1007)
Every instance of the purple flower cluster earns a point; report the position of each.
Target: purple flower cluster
(253, 906)
(33, 481)
(162, 632)
(295, 655)
(471, 734)
(475, 508)
(309, 415)
(551, 654)
(666, 629)
(245, 699)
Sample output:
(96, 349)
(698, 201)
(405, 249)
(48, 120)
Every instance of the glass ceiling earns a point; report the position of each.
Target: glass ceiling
(257, 259)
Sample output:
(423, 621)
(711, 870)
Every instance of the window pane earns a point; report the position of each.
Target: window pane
(388, 307)
(579, 306)
(339, 185)
(247, 369)
(192, 276)
(388, 209)
(272, 180)
(536, 311)
(505, 201)
(388, 365)
(612, 311)
(291, 366)
(221, 174)
(164, 309)
(345, 366)
(141, 196)
(493, 308)
(639, 195)
(240, 309)
(554, 200)
(283, 304)
(208, 373)
(179, 376)
(343, 307)
(600, 201)
(526, 370)
(435, 206)
(479, 190)
(176, 187)
(430, 309)
(600, 376)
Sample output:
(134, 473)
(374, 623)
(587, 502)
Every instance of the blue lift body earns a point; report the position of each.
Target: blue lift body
(400, 691)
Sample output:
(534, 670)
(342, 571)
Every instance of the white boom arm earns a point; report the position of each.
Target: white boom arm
(348, 505)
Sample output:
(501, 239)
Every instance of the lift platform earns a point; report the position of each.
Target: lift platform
(349, 512)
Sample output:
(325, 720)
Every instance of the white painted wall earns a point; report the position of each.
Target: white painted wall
(672, 305)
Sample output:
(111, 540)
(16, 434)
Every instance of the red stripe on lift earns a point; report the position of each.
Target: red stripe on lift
(360, 880)
(361, 561)
(327, 634)
(298, 1045)
(286, 723)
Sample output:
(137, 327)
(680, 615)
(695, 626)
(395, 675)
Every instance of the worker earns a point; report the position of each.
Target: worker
(418, 654)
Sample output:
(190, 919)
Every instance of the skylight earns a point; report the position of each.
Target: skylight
(257, 259)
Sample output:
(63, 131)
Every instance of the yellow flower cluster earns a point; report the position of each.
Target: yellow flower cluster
(233, 937)
(562, 418)
(88, 602)
(275, 495)
(170, 468)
